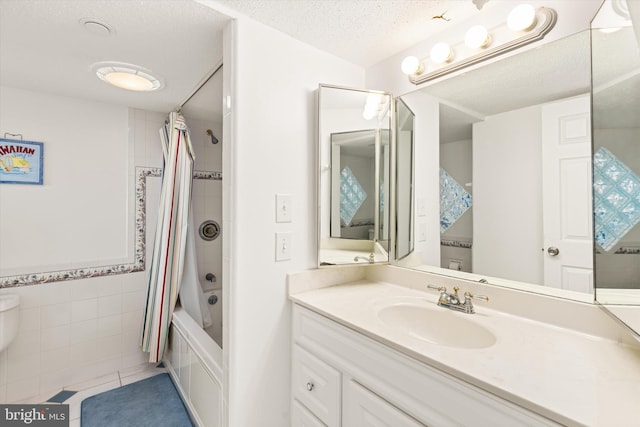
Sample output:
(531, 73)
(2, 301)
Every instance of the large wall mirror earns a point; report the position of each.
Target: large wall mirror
(616, 135)
(505, 152)
(354, 149)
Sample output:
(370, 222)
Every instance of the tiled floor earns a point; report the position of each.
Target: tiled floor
(99, 385)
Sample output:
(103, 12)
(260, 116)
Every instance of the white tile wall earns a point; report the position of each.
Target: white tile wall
(82, 330)
(94, 332)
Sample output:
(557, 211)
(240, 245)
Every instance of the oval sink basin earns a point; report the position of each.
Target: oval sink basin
(437, 325)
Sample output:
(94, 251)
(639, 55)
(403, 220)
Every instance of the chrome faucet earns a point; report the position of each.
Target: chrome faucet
(452, 300)
(371, 259)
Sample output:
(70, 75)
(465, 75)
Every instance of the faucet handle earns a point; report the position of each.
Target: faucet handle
(437, 288)
(480, 297)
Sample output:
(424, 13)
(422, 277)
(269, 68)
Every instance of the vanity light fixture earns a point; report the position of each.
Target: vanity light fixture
(524, 25)
(127, 76)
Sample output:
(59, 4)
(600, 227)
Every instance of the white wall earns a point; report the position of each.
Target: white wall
(84, 198)
(272, 150)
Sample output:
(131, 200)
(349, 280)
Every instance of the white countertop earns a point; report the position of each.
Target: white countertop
(571, 377)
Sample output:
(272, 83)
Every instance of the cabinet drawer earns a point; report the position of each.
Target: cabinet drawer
(316, 385)
(301, 417)
(363, 408)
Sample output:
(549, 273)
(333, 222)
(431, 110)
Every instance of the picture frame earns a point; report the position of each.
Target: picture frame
(21, 162)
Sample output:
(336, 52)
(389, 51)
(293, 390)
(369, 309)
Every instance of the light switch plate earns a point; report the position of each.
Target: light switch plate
(283, 208)
(283, 246)
(422, 206)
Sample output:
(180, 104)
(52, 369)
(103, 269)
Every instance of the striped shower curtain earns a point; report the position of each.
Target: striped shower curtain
(167, 262)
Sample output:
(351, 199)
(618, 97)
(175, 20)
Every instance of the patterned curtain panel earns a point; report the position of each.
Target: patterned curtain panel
(167, 262)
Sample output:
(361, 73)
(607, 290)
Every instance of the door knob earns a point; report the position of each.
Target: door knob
(553, 251)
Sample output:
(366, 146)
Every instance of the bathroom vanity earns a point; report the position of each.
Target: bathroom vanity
(370, 347)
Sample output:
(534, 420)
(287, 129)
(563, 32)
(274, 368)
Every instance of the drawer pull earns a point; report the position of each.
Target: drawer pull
(310, 386)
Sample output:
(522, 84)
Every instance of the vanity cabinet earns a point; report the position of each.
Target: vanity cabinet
(342, 378)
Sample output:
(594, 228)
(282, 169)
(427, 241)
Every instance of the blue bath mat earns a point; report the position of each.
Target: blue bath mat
(153, 402)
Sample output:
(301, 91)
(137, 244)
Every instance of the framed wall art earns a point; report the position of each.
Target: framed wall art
(21, 162)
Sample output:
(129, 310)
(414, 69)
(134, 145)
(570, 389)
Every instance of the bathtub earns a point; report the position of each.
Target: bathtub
(194, 361)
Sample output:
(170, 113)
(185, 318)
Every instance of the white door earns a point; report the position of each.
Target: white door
(567, 193)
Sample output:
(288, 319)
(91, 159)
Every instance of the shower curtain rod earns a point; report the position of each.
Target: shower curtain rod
(204, 82)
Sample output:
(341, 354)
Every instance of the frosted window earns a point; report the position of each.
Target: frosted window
(352, 196)
(616, 190)
(454, 201)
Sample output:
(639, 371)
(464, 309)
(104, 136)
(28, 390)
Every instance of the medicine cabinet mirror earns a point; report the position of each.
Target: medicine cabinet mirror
(505, 151)
(616, 132)
(354, 152)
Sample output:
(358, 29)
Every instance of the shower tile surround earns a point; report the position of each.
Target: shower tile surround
(87, 326)
(565, 360)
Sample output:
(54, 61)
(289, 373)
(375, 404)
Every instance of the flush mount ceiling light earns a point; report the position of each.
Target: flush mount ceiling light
(127, 76)
(524, 25)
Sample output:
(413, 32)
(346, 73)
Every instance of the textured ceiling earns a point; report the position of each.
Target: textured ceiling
(44, 47)
(363, 32)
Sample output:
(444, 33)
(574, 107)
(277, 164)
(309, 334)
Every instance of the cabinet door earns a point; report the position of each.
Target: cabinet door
(301, 417)
(362, 408)
(317, 386)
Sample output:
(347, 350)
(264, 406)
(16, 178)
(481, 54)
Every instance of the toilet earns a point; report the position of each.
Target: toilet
(9, 315)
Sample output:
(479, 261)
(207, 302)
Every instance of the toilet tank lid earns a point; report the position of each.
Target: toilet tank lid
(8, 301)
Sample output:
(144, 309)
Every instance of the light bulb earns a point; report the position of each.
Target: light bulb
(411, 65)
(129, 81)
(522, 18)
(368, 114)
(477, 37)
(440, 53)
